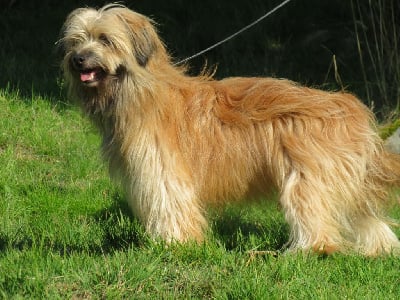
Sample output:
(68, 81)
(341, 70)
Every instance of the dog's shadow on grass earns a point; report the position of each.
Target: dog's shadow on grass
(259, 228)
(110, 229)
(115, 228)
(235, 228)
(120, 228)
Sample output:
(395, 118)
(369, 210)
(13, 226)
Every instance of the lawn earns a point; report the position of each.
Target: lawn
(66, 232)
(65, 229)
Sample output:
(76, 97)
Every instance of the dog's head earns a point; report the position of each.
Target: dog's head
(101, 46)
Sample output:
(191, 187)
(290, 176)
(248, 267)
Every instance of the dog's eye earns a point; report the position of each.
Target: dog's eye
(104, 39)
(72, 42)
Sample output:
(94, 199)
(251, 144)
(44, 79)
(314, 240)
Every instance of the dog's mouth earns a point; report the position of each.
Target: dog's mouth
(91, 77)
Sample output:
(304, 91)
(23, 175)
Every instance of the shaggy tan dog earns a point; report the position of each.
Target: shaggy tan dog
(177, 142)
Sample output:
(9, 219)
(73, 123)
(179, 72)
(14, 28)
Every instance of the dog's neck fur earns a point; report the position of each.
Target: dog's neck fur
(123, 103)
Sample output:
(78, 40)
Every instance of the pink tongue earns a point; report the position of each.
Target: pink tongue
(88, 76)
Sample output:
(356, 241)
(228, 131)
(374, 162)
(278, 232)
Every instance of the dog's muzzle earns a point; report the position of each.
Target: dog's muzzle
(90, 73)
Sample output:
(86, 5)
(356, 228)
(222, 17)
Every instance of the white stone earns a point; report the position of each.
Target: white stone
(392, 143)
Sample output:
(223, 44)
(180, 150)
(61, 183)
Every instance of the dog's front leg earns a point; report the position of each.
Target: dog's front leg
(166, 204)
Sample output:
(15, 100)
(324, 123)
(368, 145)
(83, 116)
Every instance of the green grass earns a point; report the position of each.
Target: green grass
(65, 229)
(66, 232)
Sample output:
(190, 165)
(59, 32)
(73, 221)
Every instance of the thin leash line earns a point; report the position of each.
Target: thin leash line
(234, 34)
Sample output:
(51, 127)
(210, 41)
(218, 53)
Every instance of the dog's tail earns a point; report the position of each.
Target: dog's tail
(386, 169)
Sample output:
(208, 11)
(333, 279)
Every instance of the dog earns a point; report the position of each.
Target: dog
(178, 143)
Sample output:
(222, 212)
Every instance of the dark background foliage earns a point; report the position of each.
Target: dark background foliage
(317, 43)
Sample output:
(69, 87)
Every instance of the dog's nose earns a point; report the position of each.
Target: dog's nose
(78, 60)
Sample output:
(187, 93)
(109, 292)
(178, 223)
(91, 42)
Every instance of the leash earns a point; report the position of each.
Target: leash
(234, 34)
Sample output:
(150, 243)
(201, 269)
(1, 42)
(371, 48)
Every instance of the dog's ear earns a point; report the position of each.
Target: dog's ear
(144, 38)
(144, 42)
(145, 48)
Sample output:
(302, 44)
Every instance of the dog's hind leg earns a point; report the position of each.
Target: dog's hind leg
(372, 235)
(310, 214)
(371, 232)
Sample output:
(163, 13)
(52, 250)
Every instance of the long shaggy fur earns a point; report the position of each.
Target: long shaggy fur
(177, 142)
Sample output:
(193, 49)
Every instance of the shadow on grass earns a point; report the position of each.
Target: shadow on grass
(230, 228)
(121, 228)
(117, 229)
(114, 228)
(108, 230)
(260, 228)
(3, 242)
